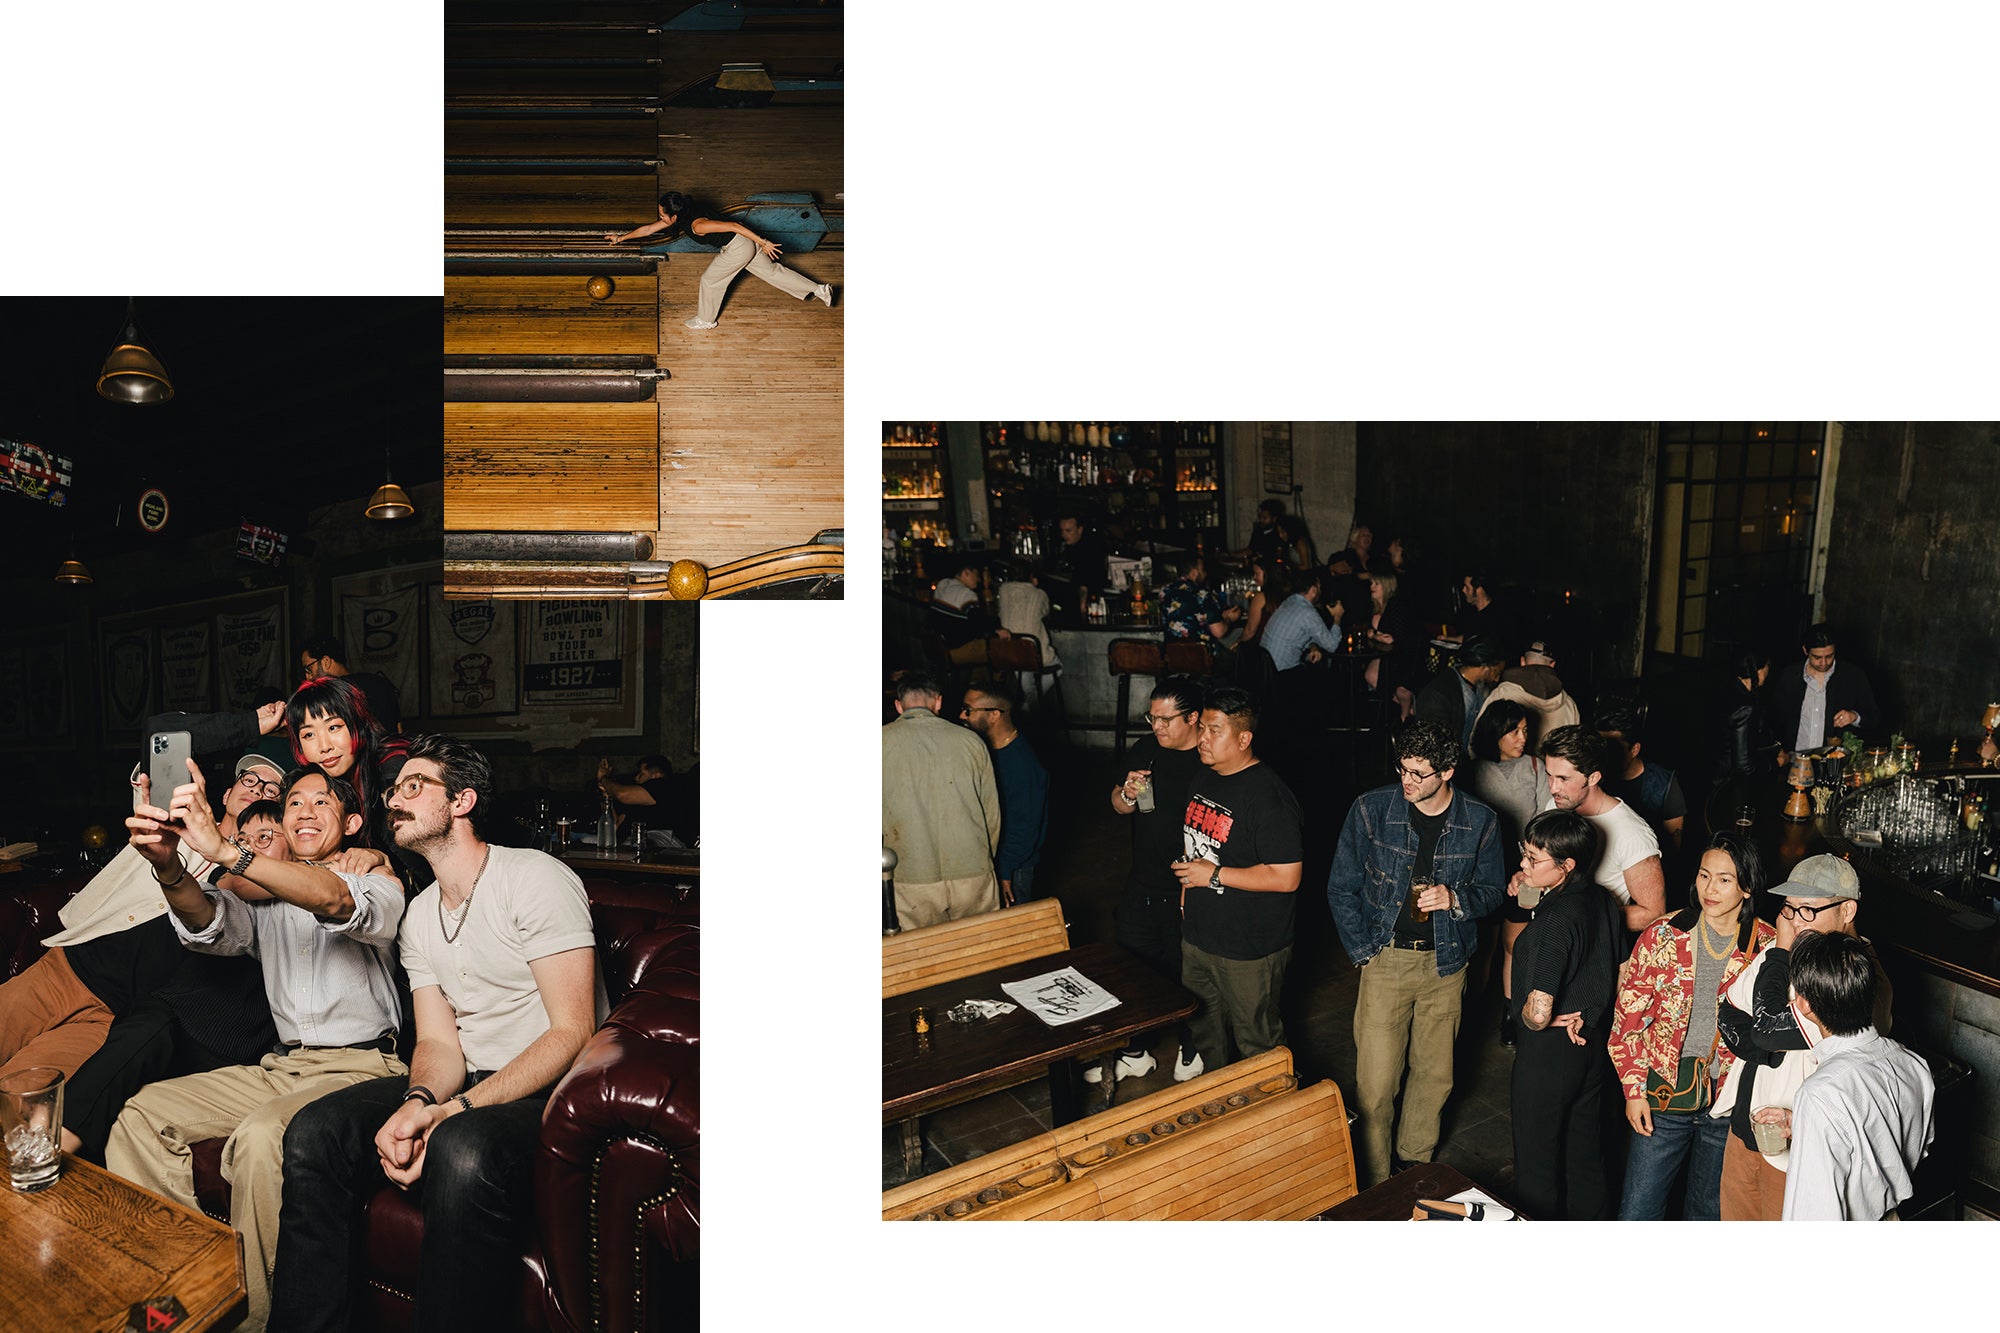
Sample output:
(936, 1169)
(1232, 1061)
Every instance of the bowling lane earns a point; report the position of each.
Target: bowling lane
(606, 202)
(523, 43)
(551, 137)
(551, 467)
(751, 421)
(725, 156)
(523, 84)
(534, 315)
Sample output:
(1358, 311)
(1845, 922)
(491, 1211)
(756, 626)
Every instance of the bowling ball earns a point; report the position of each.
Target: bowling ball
(687, 580)
(599, 287)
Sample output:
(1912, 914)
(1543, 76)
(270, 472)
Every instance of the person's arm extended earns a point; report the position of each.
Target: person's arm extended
(1263, 879)
(1647, 884)
(625, 793)
(649, 229)
(315, 888)
(710, 226)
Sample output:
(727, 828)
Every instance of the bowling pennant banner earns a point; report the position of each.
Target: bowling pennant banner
(38, 473)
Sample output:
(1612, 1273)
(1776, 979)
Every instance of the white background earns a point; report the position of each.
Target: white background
(1157, 210)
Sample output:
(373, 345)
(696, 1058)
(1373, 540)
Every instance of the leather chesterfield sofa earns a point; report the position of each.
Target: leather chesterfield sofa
(617, 1177)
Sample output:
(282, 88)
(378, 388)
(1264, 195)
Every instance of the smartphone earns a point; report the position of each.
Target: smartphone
(167, 755)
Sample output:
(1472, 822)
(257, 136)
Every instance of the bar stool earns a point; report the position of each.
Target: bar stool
(1023, 652)
(1129, 658)
(1186, 657)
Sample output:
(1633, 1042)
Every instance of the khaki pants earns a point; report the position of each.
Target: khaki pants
(48, 1017)
(1752, 1189)
(1405, 1018)
(1239, 1004)
(739, 254)
(947, 900)
(252, 1105)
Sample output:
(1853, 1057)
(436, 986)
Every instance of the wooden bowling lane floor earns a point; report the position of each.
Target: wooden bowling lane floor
(551, 200)
(551, 467)
(750, 423)
(553, 136)
(549, 315)
(725, 156)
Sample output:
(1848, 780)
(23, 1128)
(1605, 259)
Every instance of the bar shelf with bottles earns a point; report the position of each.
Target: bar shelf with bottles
(916, 496)
(1158, 481)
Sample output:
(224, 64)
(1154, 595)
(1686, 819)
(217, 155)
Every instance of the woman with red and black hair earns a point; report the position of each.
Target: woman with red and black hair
(333, 731)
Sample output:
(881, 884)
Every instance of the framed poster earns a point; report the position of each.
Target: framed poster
(47, 669)
(474, 657)
(184, 667)
(250, 648)
(125, 647)
(574, 653)
(380, 619)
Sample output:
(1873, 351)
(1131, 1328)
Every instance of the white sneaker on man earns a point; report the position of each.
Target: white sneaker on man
(1187, 1065)
(1129, 1066)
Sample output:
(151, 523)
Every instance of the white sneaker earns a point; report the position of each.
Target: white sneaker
(1187, 1065)
(1136, 1066)
(1093, 1072)
(699, 323)
(824, 292)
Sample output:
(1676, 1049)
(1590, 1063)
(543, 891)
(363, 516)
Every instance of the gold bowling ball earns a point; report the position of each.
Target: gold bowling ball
(687, 580)
(95, 838)
(598, 287)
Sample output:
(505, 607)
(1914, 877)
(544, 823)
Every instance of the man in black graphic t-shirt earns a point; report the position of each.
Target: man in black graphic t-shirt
(1242, 855)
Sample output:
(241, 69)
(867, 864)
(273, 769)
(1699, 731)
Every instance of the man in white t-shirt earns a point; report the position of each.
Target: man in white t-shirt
(1628, 862)
(503, 978)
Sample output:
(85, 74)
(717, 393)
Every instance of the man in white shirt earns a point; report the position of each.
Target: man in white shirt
(504, 982)
(1862, 1121)
(323, 938)
(1628, 864)
(1812, 704)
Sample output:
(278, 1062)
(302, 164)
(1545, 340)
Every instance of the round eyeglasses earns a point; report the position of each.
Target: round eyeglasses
(411, 786)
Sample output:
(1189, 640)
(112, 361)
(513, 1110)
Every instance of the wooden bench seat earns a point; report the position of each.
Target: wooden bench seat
(914, 959)
(998, 1182)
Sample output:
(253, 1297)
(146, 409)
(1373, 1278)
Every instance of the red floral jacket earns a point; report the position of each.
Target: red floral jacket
(1656, 996)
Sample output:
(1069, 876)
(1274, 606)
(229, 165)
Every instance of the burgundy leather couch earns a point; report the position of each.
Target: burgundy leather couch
(617, 1179)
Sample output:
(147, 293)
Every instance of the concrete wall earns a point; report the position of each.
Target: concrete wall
(1546, 507)
(1913, 569)
(1322, 470)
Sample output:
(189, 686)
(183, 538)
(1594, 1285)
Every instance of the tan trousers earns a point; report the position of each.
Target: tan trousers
(1406, 1017)
(739, 254)
(946, 900)
(251, 1104)
(1752, 1189)
(48, 1017)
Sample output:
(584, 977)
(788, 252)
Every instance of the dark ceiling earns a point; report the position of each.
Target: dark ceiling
(280, 405)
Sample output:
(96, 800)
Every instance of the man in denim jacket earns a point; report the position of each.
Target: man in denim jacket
(1412, 947)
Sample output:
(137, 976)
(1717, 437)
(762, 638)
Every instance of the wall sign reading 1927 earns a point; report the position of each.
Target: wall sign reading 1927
(575, 652)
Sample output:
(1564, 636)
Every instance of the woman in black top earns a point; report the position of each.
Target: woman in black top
(1749, 746)
(1565, 975)
(738, 248)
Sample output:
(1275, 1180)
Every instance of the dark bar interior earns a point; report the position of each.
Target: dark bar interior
(1040, 571)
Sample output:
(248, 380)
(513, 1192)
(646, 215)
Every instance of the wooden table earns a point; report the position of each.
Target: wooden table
(684, 864)
(1396, 1198)
(957, 1062)
(80, 1253)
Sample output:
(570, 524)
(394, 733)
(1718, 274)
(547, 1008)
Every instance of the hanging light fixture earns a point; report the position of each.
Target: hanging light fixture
(73, 570)
(390, 500)
(132, 374)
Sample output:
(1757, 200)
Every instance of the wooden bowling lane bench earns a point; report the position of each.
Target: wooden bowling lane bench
(1241, 1142)
(928, 955)
(81, 1253)
(526, 314)
(551, 467)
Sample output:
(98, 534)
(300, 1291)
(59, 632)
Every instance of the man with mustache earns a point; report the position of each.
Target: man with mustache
(503, 979)
(323, 938)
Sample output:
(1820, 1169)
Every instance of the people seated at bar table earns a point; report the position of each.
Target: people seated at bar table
(324, 939)
(1190, 612)
(656, 787)
(115, 957)
(1813, 702)
(503, 975)
(1024, 607)
(1666, 1040)
(959, 617)
(1298, 631)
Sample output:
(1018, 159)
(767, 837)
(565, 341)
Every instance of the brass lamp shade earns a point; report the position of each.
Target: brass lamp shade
(73, 571)
(389, 501)
(132, 374)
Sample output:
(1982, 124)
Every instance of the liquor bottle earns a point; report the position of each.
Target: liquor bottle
(607, 826)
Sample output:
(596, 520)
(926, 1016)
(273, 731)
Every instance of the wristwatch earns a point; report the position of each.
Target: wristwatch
(1215, 879)
(243, 861)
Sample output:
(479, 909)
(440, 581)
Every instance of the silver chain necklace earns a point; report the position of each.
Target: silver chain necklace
(466, 906)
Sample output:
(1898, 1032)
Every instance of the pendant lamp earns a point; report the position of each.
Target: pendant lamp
(132, 374)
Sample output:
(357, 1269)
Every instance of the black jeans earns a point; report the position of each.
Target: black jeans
(1558, 1160)
(477, 1194)
(1150, 926)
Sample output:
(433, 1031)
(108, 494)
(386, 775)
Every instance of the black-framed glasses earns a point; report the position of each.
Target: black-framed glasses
(261, 786)
(411, 786)
(1808, 913)
(1413, 777)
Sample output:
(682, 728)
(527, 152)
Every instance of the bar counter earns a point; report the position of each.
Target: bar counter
(1942, 957)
